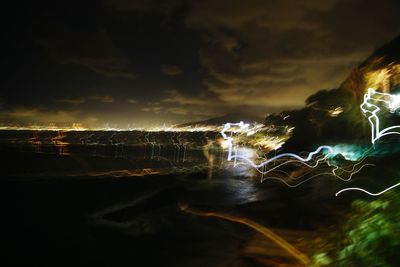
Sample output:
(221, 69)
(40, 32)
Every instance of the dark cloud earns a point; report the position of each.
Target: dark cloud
(111, 67)
(264, 53)
(2, 102)
(94, 50)
(144, 6)
(175, 96)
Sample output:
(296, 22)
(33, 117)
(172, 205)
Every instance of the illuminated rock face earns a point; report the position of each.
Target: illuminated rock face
(380, 71)
(334, 116)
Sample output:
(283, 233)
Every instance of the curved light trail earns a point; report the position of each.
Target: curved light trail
(368, 107)
(258, 227)
(367, 192)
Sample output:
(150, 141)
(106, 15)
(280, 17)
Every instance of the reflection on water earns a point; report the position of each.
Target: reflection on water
(163, 152)
(135, 154)
(241, 167)
(225, 190)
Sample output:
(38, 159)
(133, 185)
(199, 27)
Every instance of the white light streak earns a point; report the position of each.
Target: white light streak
(367, 192)
(367, 107)
(312, 160)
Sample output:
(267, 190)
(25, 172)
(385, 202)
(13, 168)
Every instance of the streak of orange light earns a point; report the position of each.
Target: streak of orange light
(259, 228)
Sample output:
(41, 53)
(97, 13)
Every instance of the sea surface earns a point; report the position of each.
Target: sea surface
(115, 198)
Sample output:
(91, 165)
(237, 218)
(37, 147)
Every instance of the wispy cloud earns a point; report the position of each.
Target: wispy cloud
(171, 70)
(103, 98)
(72, 100)
(131, 101)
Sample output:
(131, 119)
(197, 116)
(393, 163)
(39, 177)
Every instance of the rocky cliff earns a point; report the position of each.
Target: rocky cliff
(334, 116)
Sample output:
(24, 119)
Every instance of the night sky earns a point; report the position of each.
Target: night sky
(146, 63)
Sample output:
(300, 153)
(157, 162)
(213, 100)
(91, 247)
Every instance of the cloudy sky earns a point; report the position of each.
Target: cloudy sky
(143, 63)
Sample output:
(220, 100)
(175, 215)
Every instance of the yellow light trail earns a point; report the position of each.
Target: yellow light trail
(259, 228)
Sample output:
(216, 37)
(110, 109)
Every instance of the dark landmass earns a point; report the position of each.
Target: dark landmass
(313, 123)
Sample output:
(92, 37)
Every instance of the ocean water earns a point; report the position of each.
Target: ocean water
(114, 199)
(122, 150)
